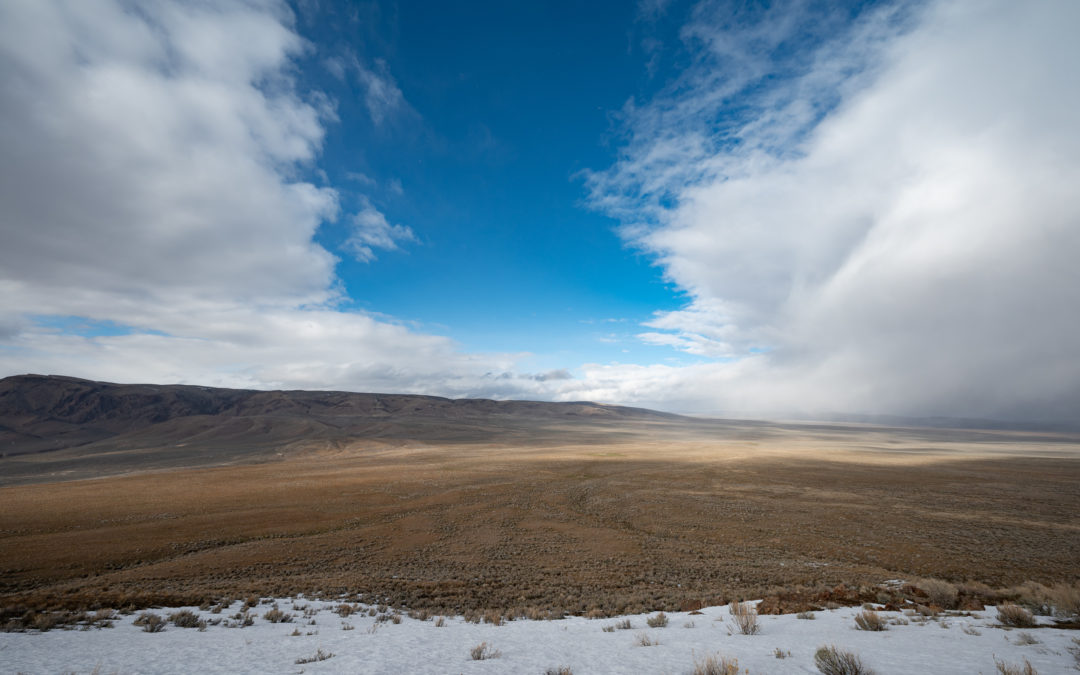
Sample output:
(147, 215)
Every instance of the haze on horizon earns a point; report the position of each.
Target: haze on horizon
(860, 207)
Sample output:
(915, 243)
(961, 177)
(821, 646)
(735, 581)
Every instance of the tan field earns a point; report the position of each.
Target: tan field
(650, 520)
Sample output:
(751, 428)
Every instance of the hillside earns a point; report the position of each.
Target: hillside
(63, 427)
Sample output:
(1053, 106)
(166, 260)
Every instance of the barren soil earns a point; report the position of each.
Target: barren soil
(651, 520)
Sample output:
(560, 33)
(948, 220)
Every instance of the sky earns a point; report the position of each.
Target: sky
(765, 209)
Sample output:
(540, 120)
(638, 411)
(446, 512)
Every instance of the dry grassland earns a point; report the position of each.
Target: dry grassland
(630, 526)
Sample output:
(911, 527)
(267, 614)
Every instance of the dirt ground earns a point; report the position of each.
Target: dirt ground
(660, 521)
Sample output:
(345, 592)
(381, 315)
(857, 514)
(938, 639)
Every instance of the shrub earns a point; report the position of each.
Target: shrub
(625, 624)
(275, 615)
(1015, 616)
(940, 593)
(483, 651)
(869, 620)
(745, 617)
(658, 621)
(150, 622)
(1023, 638)
(320, 655)
(716, 665)
(832, 661)
(560, 670)
(1006, 668)
(644, 640)
(440, 622)
(344, 610)
(185, 618)
(805, 615)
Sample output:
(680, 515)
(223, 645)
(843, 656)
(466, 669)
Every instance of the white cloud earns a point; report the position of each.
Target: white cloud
(896, 221)
(372, 230)
(149, 179)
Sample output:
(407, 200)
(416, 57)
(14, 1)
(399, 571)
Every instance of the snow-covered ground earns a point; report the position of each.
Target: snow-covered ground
(949, 644)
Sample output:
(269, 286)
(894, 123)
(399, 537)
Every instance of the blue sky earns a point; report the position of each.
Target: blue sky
(504, 105)
(707, 206)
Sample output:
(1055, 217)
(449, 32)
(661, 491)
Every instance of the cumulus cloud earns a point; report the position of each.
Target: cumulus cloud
(891, 217)
(149, 181)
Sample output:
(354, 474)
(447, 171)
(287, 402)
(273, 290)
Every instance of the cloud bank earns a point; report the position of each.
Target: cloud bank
(890, 223)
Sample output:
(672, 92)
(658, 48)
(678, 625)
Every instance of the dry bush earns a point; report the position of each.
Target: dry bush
(484, 651)
(625, 624)
(1006, 668)
(938, 592)
(833, 661)
(1062, 599)
(744, 615)
(781, 654)
(559, 670)
(716, 665)
(150, 622)
(658, 621)
(275, 615)
(440, 622)
(805, 615)
(1023, 638)
(320, 655)
(494, 617)
(419, 614)
(344, 610)
(1015, 616)
(869, 620)
(644, 640)
(185, 618)
(608, 629)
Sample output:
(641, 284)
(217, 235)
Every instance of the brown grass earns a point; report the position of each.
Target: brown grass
(831, 660)
(484, 651)
(870, 620)
(637, 525)
(744, 616)
(1016, 616)
(1006, 668)
(716, 665)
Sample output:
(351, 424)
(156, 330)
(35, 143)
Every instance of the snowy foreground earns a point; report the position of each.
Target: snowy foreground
(947, 644)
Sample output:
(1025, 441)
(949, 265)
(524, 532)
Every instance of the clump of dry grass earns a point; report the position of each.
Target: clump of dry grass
(344, 610)
(319, 655)
(559, 670)
(870, 620)
(494, 617)
(440, 621)
(1015, 616)
(185, 618)
(484, 651)
(805, 615)
(938, 592)
(150, 622)
(643, 640)
(658, 621)
(831, 660)
(275, 615)
(716, 665)
(1006, 668)
(744, 615)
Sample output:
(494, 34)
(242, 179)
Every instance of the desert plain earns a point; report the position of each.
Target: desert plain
(547, 516)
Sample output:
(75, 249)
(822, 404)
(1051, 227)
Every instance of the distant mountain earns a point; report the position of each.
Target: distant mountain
(110, 428)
